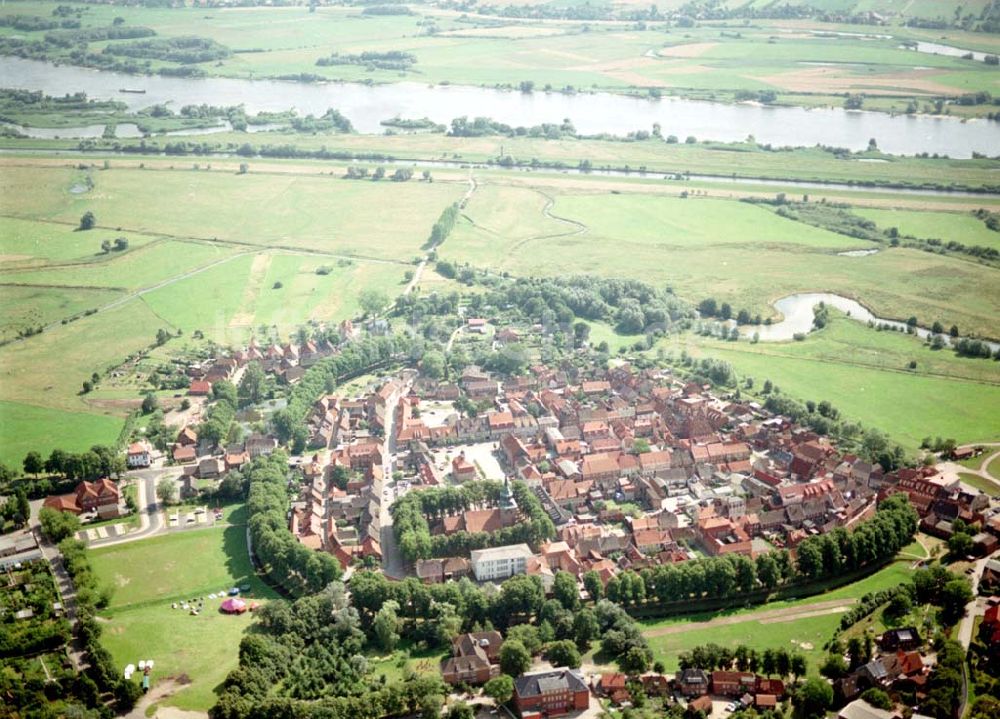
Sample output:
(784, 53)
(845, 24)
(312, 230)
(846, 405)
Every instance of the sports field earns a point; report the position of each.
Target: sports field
(152, 574)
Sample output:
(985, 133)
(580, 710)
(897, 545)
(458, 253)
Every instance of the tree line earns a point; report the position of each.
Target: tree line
(820, 557)
(286, 562)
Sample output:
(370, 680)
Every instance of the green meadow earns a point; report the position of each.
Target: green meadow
(25, 428)
(149, 576)
(865, 373)
(946, 226)
(704, 246)
(805, 631)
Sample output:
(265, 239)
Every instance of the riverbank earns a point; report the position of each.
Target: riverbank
(367, 105)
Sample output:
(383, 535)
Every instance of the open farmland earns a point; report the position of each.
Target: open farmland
(223, 270)
(738, 253)
(866, 375)
(804, 63)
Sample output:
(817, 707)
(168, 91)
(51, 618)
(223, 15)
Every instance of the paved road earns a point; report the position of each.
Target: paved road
(975, 608)
(150, 517)
(392, 561)
(952, 469)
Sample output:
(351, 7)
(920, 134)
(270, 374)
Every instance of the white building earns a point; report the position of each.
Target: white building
(500, 562)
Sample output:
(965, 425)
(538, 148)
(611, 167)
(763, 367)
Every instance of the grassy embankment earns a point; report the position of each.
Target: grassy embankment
(148, 576)
(789, 624)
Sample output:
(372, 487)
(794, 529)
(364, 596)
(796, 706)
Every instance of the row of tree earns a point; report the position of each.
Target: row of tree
(771, 662)
(285, 561)
(819, 557)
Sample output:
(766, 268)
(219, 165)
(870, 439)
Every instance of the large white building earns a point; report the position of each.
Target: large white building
(500, 562)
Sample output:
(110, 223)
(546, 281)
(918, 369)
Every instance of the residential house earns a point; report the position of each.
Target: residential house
(475, 658)
(138, 455)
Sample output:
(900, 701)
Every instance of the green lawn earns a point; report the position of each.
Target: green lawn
(148, 576)
(25, 428)
(993, 469)
(983, 485)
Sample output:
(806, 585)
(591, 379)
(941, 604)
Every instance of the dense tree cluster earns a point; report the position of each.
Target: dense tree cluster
(634, 307)
(182, 49)
(285, 561)
(307, 660)
(945, 684)
(215, 428)
(839, 551)
(869, 603)
(441, 229)
(372, 60)
(413, 513)
(485, 126)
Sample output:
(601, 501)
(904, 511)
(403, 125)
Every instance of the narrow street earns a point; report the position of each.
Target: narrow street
(67, 594)
(150, 518)
(975, 608)
(392, 562)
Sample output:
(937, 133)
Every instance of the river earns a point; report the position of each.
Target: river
(797, 311)
(591, 113)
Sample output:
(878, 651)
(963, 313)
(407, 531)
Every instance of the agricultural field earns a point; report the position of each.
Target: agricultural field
(215, 269)
(865, 373)
(803, 62)
(196, 652)
(705, 246)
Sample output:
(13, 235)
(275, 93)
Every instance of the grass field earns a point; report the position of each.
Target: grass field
(805, 634)
(703, 246)
(25, 428)
(979, 483)
(865, 374)
(148, 576)
(177, 276)
(947, 226)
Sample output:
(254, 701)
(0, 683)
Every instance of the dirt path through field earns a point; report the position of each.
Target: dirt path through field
(768, 616)
(251, 291)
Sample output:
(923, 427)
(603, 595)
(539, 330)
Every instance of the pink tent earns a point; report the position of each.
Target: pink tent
(233, 605)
